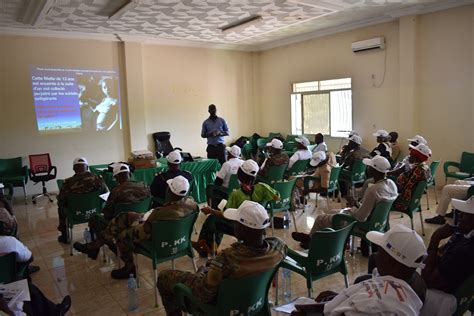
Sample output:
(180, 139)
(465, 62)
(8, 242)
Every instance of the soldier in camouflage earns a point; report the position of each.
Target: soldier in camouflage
(251, 256)
(81, 182)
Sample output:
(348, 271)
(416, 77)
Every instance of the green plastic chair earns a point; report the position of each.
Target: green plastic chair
(60, 183)
(333, 183)
(274, 174)
(325, 256)
(284, 204)
(354, 176)
(414, 205)
(262, 142)
(170, 239)
(234, 184)
(272, 135)
(80, 208)
(377, 221)
(12, 172)
(252, 298)
(432, 183)
(247, 151)
(142, 206)
(298, 167)
(10, 270)
(465, 167)
(465, 296)
(292, 137)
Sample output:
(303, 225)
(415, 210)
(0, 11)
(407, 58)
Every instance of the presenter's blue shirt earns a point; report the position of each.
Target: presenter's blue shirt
(218, 124)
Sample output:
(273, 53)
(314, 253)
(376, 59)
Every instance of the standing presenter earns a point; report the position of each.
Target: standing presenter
(214, 129)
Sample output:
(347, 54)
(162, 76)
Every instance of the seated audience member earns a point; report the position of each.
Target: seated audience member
(449, 265)
(216, 225)
(277, 157)
(4, 201)
(343, 150)
(458, 190)
(417, 172)
(38, 304)
(127, 191)
(253, 254)
(159, 186)
(383, 189)
(82, 181)
(228, 169)
(352, 152)
(394, 146)
(383, 148)
(405, 164)
(320, 144)
(8, 222)
(302, 152)
(395, 289)
(128, 229)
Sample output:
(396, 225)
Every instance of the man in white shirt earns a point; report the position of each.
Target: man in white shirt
(11, 244)
(320, 144)
(302, 152)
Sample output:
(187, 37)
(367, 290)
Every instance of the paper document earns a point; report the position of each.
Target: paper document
(288, 308)
(15, 292)
(105, 196)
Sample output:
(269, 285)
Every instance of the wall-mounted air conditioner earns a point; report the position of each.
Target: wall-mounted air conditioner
(370, 44)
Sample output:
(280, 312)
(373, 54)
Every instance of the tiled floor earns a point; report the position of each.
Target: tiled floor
(94, 292)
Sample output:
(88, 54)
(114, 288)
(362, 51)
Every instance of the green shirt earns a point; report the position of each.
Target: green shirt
(262, 192)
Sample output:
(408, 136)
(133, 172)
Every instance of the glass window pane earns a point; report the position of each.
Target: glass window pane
(296, 127)
(335, 84)
(316, 113)
(341, 113)
(305, 86)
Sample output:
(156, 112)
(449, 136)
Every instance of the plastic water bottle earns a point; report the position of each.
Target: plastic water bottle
(87, 235)
(132, 294)
(286, 273)
(286, 221)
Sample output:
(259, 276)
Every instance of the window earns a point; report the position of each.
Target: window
(322, 107)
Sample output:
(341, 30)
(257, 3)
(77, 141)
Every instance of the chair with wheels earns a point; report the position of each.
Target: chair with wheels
(432, 183)
(162, 144)
(252, 298)
(414, 205)
(354, 176)
(12, 172)
(274, 174)
(325, 256)
(170, 239)
(41, 170)
(284, 204)
(465, 167)
(465, 297)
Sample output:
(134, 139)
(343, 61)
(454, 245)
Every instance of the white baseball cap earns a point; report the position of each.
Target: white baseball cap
(379, 163)
(317, 158)
(381, 133)
(464, 206)
(250, 214)
(424, 152)
(178, 185)
(250, 167)
(2, 186)
(275, 143)
(174, 157)
(356, 139)
(302, 140)
(402, 243)
(80, 161)
(418, 139)
(234, 150)
(119, 168)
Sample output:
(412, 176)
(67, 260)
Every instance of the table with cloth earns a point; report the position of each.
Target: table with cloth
(203, 171)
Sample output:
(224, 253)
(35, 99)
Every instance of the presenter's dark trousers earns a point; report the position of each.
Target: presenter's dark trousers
(216, 152)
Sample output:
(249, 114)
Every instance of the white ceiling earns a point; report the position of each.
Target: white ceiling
(197, 22)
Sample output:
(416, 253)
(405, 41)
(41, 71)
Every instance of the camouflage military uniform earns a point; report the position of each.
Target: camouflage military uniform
(83, 182)
(236, 261)
(274, 160)
(126, 192)
(126, 233)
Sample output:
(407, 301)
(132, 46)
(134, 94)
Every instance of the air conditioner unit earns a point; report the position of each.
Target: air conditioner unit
(370, 44)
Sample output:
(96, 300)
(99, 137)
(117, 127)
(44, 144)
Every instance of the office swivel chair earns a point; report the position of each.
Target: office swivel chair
(162, 144)
(42, 171)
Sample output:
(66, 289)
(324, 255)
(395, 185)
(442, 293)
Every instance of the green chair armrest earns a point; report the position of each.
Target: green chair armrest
(448, 164)
(185, 298)
(296, 256)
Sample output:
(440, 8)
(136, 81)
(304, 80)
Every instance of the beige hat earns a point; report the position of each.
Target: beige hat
(178, 185)
(120, 168)
(250, 214)
(275, 143)
(356, 139)
(250, 167)
(418, 139)
(317, 158)
(302, 140)
(381, 133)
(234, 150)
(80, 161)
(464, 206)
(174, 157)
(379, 163)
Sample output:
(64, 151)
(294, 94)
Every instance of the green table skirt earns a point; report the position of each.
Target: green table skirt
(203, 171)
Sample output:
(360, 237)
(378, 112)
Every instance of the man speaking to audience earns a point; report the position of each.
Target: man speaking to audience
(214, 129)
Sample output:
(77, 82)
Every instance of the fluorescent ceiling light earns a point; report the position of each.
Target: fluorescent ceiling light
(242, 23)
(130, 5)
(36, 11)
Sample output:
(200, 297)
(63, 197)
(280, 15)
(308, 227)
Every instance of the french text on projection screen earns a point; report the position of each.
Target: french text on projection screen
(76, 99)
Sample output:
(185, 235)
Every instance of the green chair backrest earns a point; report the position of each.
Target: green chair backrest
(326, 249)
(433, 166)
(272, 135)
(377, 220)
(467, 162)
(291, 137)
(234, 184)
(298, 167)
(81, 206)
(252, 294)
(414, 203)
(334, 178)
(142, 206)
(464, 296)
(60, 183)
(8, 268)
(10, 166)
(262, 142)
(290, 146)
(285, 188)
(247, 151)
(172, 238)
(275, 173)
(358, 171)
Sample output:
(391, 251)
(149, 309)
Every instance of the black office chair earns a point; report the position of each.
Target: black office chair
(42, 171)
(162, 144)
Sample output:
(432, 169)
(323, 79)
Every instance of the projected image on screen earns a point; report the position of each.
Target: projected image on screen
(76, 99)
